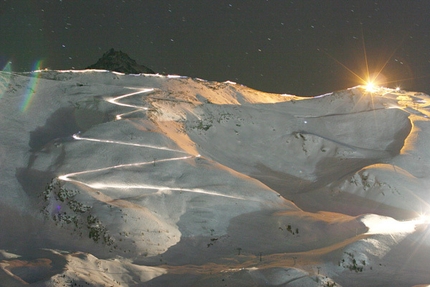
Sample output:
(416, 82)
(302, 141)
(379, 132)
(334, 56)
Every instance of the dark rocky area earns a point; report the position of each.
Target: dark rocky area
(119, 61)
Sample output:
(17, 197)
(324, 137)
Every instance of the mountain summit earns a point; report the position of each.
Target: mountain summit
(119, 61)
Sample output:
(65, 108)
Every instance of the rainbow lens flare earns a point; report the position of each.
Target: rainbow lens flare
(31, 88)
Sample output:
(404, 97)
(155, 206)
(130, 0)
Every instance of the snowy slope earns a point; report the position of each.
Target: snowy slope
(174, 181)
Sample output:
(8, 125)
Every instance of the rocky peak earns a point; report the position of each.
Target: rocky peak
(119, 61)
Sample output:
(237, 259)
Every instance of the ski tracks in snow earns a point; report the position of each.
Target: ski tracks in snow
(73, 177)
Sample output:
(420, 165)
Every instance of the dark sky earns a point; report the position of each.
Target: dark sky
(282, 46)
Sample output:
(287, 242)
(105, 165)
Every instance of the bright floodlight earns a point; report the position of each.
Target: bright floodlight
(370, 87)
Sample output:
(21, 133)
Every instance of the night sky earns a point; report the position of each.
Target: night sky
(303, 47)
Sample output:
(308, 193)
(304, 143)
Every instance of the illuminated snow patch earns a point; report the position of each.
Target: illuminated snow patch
(86, 71)
(323, 95)
(386, 225)
(287, 95)
(230, 82)
(155, 75)
(176, 77)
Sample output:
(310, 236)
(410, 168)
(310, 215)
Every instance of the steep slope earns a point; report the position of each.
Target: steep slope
(170, 179)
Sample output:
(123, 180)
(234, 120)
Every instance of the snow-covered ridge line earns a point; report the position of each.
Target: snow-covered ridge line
(155, 180)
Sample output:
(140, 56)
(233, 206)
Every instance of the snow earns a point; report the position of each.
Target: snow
(121, 180)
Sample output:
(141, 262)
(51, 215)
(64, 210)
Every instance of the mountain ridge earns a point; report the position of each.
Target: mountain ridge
(179, 180)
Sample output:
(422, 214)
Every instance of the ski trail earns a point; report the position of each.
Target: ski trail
(116, 99)
(159, 188)
(78, 137)
(67, 177)
(74, 176)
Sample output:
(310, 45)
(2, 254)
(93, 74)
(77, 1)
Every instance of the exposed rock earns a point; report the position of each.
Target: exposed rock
(119, 61)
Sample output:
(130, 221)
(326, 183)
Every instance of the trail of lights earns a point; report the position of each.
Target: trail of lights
(66, 177)
(72, 177)
(78, 137)
(99, 186)
(115, 100)
(119, 116)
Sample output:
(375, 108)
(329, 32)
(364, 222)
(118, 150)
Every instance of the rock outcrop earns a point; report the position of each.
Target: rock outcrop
(119, 61)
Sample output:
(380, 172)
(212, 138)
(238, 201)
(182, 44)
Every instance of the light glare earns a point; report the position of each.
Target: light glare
(370, 87)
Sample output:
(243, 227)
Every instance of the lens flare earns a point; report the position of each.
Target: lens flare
(370, 87)
(423, 218)
(368, 73)
(31, 88)
(7, 67)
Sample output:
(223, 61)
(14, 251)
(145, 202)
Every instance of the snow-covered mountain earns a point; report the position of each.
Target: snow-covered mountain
(147, 180)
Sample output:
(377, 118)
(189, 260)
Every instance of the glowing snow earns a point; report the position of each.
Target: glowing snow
(386, 225)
